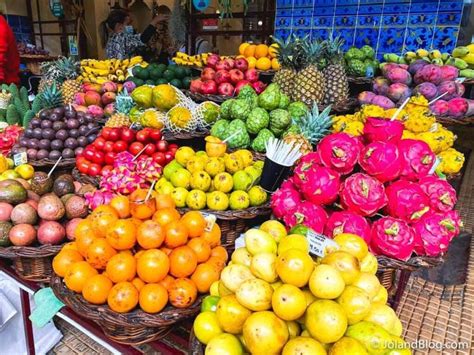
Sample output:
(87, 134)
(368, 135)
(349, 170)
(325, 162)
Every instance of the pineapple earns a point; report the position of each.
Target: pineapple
(70, 88)
(288, 56)
(118, 120)
(63, 72)
(309, 86)
(51, 97)
(335, 79)
(312, 128)
(123, 105)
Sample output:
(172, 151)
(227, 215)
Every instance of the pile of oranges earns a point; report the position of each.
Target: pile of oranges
(260, 56)
(139, 251)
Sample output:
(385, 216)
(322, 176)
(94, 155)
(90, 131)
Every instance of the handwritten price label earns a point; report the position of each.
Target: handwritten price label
(319, 245)
(210, 220)
(460, 80)
(20, 158)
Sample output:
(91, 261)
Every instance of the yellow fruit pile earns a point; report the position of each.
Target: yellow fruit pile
(419, 124)
(200, 180)
(260, 56)
(9, 171)
(198, 60)
(100, 71)
(274, 297)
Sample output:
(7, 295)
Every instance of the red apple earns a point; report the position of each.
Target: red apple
(230, 62)
(209, 87)
(251, 75)
(241, 84)
(241, 64)
(236, 75)
(259, 86)
(208, 74)
(225, 89)
(223, 65)
(222, 76)
(195, 85)
(212, 60)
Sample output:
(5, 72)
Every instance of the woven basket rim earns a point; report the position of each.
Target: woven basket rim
(416, 262)
(135, 318)
(202, 97)
(247, 213)
(449, 121)
(85, 179)
(185, 135)
(29, 251)
(64, 163)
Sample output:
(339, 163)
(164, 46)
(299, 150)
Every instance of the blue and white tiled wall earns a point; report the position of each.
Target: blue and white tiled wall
(389, 26)
(21, 27)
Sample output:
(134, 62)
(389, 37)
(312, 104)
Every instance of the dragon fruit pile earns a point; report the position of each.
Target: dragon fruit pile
(400, 81)
(378, 186)
(8, 137)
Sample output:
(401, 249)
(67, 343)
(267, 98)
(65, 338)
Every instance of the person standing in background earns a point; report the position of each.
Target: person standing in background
(160, 48)
(9, 57)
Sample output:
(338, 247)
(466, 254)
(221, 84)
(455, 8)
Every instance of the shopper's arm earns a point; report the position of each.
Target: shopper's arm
(148, 33)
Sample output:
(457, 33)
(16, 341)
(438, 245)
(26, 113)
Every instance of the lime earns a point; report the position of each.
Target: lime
(144, 74)
(156, 73)
(136, 71)
(177, 83)
(162, 67)
(168, 75)
(186, 82)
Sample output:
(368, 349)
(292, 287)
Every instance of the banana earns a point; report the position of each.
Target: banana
(435, 54)
(460, 52)
(121, 78)
(88, 70)
(452, 61)
(460, 64)
(445, 56)
(100, 72)
(469, 58)
(112, 77)
(437, 61)
(100, 64)
(410, 55)
(422, 53)
(101, 80)
(470, 48)
(467, 73)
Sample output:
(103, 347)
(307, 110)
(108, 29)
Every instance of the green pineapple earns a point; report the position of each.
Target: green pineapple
(123, 105)
(335, 79)
(51, 97)
(312, 128)
(309, 86)
(288, 55)
(63, 73)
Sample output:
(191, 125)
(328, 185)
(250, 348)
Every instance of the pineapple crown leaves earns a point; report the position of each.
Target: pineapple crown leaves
(333, 49)
(51, 97)
(313, 52)
(62, 69)
(315, 125)
(290, 51)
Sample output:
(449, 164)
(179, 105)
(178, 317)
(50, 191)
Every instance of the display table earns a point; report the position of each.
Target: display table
(85, 326)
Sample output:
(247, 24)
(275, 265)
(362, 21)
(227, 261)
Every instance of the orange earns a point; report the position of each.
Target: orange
(153, 298)
(138, 283)
(275, 64)
(164, 201)
(250, 50)
(194, 222)
(105, 209)
(166, 215)
(183, 261)
(217, 262)
(122, 234)
(137, 222)
(220, 252)
(165, 250)
(261, 51)
(213, 238)
(121, 267)
(77, 275)
(126, 252)
(123, 297)
(204, 275)
(263, 63)
(176, 234)
(139, 208)
(242, 48)
(153, 265)
(252, 61)
(102, 221)
(99, 253)
(96, 289)
(273, 50)
(70, 246)
(182, 293)
(83, 242)
(121, 204)
(139, 253)
(64, 260)
(83, 227)
(166, 282)
(201, 247)
(150, 235)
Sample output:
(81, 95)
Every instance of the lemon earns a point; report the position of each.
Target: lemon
(326, 321)
(183, 154)
(206, 327)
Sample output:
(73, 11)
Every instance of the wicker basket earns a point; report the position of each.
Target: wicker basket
(48, 163)
(346, 106)
(234, 223)
(32, 263)
(453, 121)
(359, 80)
(195, 346)
(170, 136)
(85, 179)
(195, 96)
(132, 328)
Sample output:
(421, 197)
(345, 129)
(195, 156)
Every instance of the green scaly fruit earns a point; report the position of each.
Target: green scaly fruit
(263, 136)
(240, 139)
(258, 119)
(12, 116)
(240, 109)
(225, 109)
(279, 120)
(284, 101)
(24, 97)
(219, 129)
(269, 99)
(27, 118)
(36, 104)
(13, 89)
(20, 107)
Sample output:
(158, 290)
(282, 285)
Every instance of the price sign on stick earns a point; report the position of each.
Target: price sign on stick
(20, 158)
(320, 245)
(210, 220)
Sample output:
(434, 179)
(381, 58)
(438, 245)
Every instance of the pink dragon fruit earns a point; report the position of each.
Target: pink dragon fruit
(398, 90)
(380, 129)
(407, 201)
(380, 86)
(339, 151)
(452, 89)
(417, 159)
(392, 237)
(458, 107)
(285, 200)
(398, 75)
(366, 97)
(363, 194)
(436, 231)
(347, 222)
(381, 160)
(431, 73)
(440, 108)
(312, 157)
(457, 223)
(317, 183)
(448, 72)
(428, 90)
(416, 66)
(383, 102)
(308, 214)
(441, 194)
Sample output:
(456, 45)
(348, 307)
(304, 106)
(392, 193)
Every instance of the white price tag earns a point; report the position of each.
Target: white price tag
(460, 80)
(240, 242)
(435, 165)
(20, 158)
(210, 220)
(319, 244)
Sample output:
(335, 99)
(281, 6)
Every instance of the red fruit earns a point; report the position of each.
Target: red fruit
(225, 89)
(89, 153)
(98, 157)
(172, 151)
(162, 146)
(94, 170)
(120, 146)
(106, 169)
(83, 166)
(223, 65)
(259, 86)
(109, 146)
(212, 60)
(173, 146)
(159, 158)
(169, 157)
(142, 136)
(195, 85)
(127, 134)
(208, 74)
(109, 158)
(135, 147)
(114, 134)
(222, 76)
(209, 87)
(241, 64)
(150, 149)
(240, 85)
(99, 143)
(251, 75)
(230, 62)
(106, 132)
(236, 75)
(155, 135)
